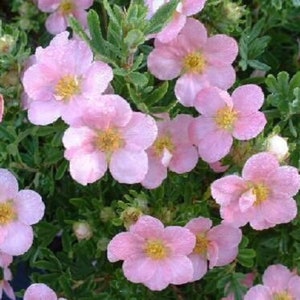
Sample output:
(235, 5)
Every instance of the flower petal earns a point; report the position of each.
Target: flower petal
(38, 291)
(199, 266)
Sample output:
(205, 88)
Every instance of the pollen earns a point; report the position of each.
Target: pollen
(109, 140)
(225, 118)
(261, 192)
(283, 296)
(7, 213)
(155, 249)
(201, 244)
(164, 142)
(194, 63)
(66, 7)
(67, 87)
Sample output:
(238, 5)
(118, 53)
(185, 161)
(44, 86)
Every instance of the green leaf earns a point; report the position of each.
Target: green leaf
(134, 38)
(157, 94)
(246, 257)
(138, 79)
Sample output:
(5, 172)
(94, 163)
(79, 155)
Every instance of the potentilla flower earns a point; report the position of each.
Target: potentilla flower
(184, 9)
(18, 211)
(217, 245)
(170, 150)
(262, 196)
(5, 261)
(224, 118)
(61, 10)
(198, 60)
(40, 291)
(153, 255)
(110, 136)
(61, 77)
(279, 283)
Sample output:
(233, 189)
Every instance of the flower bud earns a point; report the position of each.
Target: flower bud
(278, 146)
(7, 43)
(130, 215)
(82, 230)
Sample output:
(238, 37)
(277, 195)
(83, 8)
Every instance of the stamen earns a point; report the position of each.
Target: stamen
(109, 141)
(66, 7)
(155, 249)
(7, 213)
(225, 118)
(194, 63)
(161, 143)
(67, 87)
(201, 244)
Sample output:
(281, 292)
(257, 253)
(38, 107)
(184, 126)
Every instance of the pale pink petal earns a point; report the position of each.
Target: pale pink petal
(18, 240)
(184, 159)
(250, 126)
(180, 239)
(44, 112)
(140, 132)
(48, 5)
(285, 180)
(211, 99)
(218, 167)
(140, 269)
(226, 256)
(180, 123)
(95, 81)
(81, 16)
(5, 261)
(9, 185)
(231, 214)
(181, 269)
(156, 174)
(164, 63)
(215, 145)
(247, 200)
(148, 227)
(88, 167)
(30, 207)
(260, 166)
(171, 30)
(8, 290)
(277, 277)
(258, 292)
(83, 4)
(294, 287)
(39, 291)
(3, 233)
(213, 254)
(188, 86)
(247, 98)
(191, 7)
(220, 50)
(279, 210)
(1, 107)
(56, 23)
(128, 167)
(199, 225)
(228, 189)
(200, 127)
(221, 77)
(199, 266)
(123, 246)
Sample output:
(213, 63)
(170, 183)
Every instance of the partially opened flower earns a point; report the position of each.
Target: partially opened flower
(262, 196)
(110, 136)
(172, 150)
(5, 261)
(18, 211)
(61, 10)
(217, 245)
(62, 76)
(198, 60)
(40, 291)
(153, 255)
(224, 117)
(184, 9)
(279, 283)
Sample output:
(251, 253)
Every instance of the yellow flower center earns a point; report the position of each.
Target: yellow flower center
(261, 192)
(7, 213)
(282, 296)
(201, 244)
(161, 143)
(67, 87)
(194, 63)
(66, 7)
(155, 249)
(109, 141)
(225, 118)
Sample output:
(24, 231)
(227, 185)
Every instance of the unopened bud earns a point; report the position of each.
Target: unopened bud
(82, 230)
(278, 146)
(130, 215)
(7, 43)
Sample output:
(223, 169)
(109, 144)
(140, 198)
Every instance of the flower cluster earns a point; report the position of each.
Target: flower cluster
(157, 256)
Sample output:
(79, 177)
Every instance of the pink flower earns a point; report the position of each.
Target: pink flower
(38, 291)
(153, 255)
(198, 60)
(278, 283)
(61, 10)
(262, 196)
(61, 78)
(110, 135)
(5, 261)
(18, 210)
(184, 9)
(224, 118)
(218, 245)
(170, 150)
